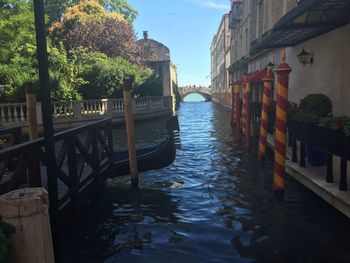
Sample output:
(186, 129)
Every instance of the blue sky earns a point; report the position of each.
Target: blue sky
(187, 28)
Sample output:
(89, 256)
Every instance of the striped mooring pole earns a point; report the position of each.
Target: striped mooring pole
(264, 114)
(244, 102)
(282, 71)
(237, 112)
(233, 113)
(247, 115)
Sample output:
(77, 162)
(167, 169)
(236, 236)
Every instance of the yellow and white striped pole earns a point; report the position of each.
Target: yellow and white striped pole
(264, 114)
(282, 71)
(247, 115)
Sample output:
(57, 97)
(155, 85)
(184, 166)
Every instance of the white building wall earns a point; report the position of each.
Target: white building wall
(330, 72)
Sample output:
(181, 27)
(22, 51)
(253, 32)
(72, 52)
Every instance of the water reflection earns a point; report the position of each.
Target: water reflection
(214, 204)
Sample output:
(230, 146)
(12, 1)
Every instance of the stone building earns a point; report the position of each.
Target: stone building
(157, 56)
(260, 28)
(220, 62)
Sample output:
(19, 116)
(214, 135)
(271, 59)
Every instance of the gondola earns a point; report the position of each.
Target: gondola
(149, 158)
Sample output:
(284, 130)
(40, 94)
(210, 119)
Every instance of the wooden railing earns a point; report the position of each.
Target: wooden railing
(70, 111)
(82, 155)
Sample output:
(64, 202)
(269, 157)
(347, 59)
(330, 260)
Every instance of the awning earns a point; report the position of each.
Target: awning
(308, 20)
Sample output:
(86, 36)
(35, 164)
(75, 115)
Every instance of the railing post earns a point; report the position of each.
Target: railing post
(264, 114)
(282, 71)
(343, 186)
(77, 110)
(133, 105)
(302, 162)
(109, 108)
(162, 103)
(329, 178)
(294, 151)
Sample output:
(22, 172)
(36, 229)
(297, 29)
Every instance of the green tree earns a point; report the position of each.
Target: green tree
(89, 25)
(121, 7)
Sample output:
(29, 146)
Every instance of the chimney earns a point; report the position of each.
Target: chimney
(145, 34)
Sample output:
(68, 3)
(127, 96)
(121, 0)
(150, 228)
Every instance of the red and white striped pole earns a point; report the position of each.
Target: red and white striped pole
(247, 115)
(264, 113)
(282, 71)
(244, 102)
(237, 112)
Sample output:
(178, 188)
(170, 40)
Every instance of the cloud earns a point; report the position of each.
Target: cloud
(214, 4)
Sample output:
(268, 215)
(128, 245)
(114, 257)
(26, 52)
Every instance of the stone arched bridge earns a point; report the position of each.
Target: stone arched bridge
(205, 92)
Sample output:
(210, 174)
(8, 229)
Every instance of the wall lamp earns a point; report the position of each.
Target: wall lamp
(305, 57)
(270, 66)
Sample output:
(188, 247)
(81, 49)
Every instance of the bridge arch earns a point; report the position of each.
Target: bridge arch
(202, 91)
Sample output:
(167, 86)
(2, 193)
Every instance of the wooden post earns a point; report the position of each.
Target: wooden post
(129, 120)
(31, 113)
(282, 71)
(248, 115)
(34, 167)
(27, 210)
(264, 114)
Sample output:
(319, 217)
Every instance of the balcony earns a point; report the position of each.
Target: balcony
(235, 14)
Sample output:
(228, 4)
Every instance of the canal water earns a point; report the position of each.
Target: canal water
(214, 204)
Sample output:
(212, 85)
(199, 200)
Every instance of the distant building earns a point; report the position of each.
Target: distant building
(220, 62)
(157, 56)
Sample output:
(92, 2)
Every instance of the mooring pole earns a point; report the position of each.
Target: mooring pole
(244, 105)
(264, 114)
(282, 71)
(34, 166)
(248, 115)
(40, 29)
(31, 113)
(237, 112)
(129, 120)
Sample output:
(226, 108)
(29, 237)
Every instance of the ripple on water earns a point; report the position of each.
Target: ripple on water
(214, 204)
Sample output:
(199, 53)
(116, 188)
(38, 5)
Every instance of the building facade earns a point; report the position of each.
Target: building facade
(157, 56)
(220, 62)
(261, 28)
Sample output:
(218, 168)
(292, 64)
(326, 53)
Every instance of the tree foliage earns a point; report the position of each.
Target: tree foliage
(121, 7)
(89, 25)
(104, 76)
(56, 8)
(91, 47)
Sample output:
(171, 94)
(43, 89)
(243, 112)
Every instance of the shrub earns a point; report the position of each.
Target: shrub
(317, 104)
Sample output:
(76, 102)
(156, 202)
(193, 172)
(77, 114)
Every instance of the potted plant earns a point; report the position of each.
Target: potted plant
(319, 106)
